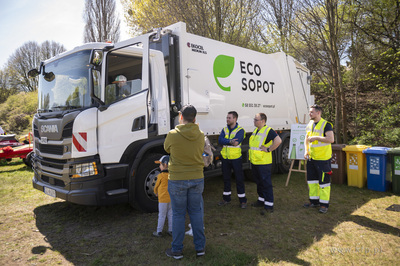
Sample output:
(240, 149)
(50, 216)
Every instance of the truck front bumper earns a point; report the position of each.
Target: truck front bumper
(88, 191)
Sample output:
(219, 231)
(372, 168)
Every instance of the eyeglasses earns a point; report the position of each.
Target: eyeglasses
(256, 120)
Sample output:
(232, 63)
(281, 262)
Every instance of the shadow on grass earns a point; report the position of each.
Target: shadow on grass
(374, 225)
(122, 235)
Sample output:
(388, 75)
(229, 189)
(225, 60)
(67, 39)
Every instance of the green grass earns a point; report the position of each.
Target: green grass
(37, 229)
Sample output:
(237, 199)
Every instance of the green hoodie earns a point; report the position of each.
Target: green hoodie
(185, 144)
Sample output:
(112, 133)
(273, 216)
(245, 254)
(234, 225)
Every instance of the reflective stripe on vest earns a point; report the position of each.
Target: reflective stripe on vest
(232, 152)
(257, 139)
(318, 150)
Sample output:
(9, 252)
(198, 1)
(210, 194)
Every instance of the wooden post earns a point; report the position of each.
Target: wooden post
(297, 170)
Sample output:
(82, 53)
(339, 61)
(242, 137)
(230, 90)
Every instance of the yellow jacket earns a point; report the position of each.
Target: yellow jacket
(161, 188)
(318, 150)
(257, 139)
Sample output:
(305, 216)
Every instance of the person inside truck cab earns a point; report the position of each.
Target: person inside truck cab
(123, 89)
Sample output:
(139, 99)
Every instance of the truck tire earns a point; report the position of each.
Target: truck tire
(28, 159)
(145, 182)
(283, 153)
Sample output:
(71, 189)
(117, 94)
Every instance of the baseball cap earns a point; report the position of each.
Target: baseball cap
(189, 112)
(120, 78)
(164, 159)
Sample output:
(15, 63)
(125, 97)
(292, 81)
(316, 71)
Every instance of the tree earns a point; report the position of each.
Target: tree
(379, 21)
(277, 17)
(5, 89)
(320, 31)
(20, 62)
(374, 71)
(102, 22)
(228, 21)
(25, 58)
(17, 111)
(48, 49)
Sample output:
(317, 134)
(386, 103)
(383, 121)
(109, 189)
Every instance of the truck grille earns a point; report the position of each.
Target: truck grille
(58, 164)
(51, 149)
(36, 131)
(53, 181)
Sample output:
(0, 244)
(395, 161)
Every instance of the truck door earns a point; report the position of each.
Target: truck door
(126, 92)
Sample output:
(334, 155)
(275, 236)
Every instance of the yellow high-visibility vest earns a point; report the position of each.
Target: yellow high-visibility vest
(232, 152)
(257, 139)
(318, 150)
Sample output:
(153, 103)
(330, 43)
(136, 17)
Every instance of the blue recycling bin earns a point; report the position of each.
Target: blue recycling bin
(378, 170)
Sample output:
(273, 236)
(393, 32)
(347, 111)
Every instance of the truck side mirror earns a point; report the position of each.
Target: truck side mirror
(96, 58)
(33, 73)
(94, 84)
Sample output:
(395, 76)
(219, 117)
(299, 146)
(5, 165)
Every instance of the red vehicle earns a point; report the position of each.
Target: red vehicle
(11, 148)
(9, 140)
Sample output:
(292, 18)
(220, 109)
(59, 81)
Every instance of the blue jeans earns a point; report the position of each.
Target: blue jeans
(187, 195)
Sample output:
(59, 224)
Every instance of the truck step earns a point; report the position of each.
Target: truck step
(117, 191)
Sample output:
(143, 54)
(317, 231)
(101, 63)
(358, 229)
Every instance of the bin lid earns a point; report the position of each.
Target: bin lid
(376, 150)
(355, 147)
(395, 151)
(338, 147)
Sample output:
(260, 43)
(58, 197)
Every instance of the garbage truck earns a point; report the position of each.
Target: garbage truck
(104, 110)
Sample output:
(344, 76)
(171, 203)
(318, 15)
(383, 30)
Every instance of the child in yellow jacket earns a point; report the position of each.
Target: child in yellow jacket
(164, 201)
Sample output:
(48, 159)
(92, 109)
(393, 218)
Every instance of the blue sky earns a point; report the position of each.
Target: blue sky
(40, 20)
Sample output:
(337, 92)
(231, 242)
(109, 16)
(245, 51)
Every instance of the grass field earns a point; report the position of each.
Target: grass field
(36, 229)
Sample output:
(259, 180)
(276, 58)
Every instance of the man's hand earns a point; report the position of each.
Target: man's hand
(234, 142)
(263, 148)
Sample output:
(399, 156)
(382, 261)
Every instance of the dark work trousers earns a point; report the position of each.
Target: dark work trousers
(319, 181)
(236, 165)
(262, 177)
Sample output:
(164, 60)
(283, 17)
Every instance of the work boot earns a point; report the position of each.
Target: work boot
(310, 205)
(323, 209)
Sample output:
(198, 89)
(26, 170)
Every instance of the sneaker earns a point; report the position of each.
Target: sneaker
(310, 205)
(157, 234)
(223, 203)
(257, 204)
(323, 209)
(176, 255)
(169, 233)
(200, 253)
(243, 205)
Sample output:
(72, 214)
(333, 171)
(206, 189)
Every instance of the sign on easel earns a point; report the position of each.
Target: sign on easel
(297, 141)
(297, 148)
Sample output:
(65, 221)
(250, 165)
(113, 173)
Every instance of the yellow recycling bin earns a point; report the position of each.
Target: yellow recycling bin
(356, 165)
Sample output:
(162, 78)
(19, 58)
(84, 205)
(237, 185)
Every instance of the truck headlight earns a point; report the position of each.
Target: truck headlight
(84, 169)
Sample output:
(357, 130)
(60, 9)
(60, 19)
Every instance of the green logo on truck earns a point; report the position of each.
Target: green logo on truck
(223, 68)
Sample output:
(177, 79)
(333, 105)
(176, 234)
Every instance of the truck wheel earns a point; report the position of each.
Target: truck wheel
(28, 159)
(145, 182)
(283, 153)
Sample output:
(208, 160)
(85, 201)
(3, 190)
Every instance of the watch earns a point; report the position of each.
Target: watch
(268, 150)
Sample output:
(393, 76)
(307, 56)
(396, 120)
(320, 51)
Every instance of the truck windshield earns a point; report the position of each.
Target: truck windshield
(64, 83)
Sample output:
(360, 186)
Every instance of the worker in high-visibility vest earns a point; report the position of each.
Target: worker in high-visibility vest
(262, 142)
(231, 138)
(318, 154)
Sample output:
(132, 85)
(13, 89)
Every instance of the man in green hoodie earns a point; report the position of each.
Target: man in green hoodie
(185, 144)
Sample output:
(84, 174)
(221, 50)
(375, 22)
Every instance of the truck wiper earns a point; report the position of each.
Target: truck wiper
(66, 107)
(44, 110)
